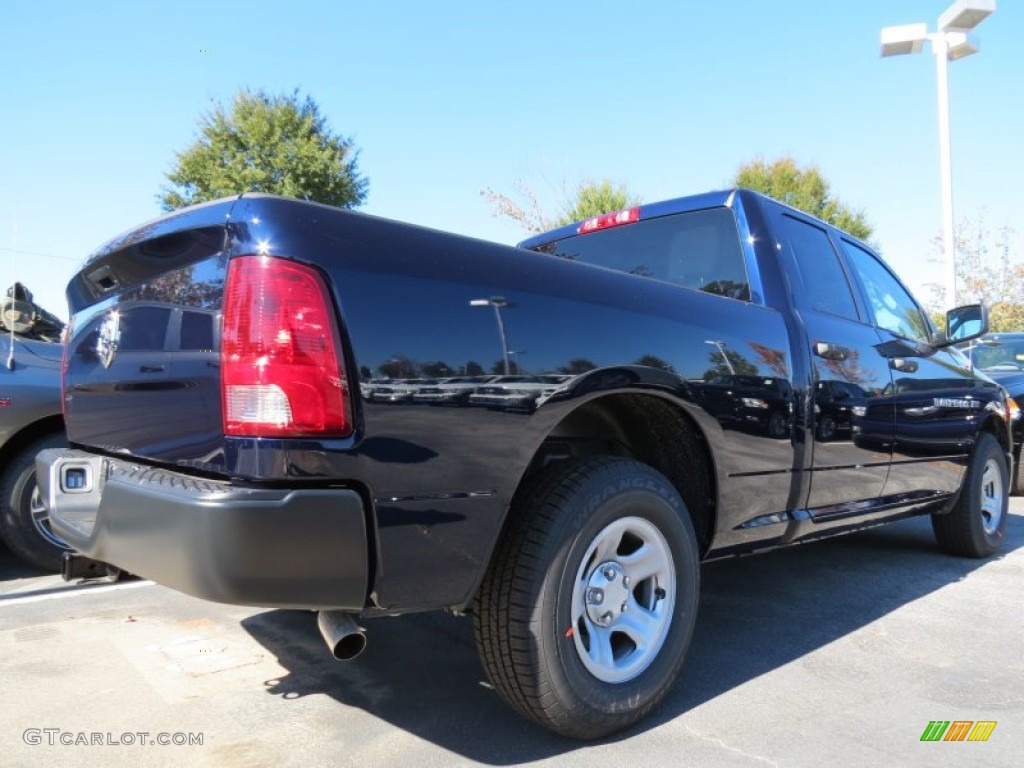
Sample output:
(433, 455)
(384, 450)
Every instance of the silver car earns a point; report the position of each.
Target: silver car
(30, 420)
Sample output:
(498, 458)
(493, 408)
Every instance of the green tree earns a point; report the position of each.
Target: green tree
(728, 363)
(802, 188)
(266, 143)
(594, 198)
(1006, 316)
(773, 359)
(398, 367)
(438, 370)
(578, 366)
(653, 361)
(591, 198)
(851, 370)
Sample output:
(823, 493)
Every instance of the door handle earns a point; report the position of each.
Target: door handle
(830, 351)
(151, 368)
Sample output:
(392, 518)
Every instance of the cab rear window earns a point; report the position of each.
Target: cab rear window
(698, 249)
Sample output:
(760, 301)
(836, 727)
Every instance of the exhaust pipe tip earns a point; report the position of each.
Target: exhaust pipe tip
(344, 638)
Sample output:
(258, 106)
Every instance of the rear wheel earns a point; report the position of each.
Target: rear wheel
(977, 522)
(587, 610)
(24, 519)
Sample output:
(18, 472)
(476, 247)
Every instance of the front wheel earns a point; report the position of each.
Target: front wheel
(586, 613)
(975, 526)
(778, 425)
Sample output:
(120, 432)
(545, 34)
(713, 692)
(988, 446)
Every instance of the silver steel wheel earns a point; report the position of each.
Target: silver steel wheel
(992, 496)
(623, 599)
(41, 519)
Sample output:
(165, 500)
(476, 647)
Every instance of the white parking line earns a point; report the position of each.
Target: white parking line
(58, 593)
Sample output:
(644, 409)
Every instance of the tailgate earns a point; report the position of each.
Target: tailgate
(142, 361)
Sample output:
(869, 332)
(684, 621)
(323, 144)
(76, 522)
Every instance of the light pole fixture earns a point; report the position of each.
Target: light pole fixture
(497, 302)
(720, 346)
(952, 41)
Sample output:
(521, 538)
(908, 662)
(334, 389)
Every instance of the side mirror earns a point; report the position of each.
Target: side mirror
(965, 323)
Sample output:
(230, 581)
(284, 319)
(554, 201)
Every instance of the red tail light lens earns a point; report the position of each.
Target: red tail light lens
(281, 370)
(607, 220)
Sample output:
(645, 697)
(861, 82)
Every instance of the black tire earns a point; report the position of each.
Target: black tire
(535, 653)
(30, 539)
(976, 524)
(778, 425)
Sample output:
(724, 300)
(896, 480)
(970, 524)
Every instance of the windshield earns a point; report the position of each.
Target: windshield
(1006, 354)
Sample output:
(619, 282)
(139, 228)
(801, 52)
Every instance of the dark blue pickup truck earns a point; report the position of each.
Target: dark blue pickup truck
(691, 352)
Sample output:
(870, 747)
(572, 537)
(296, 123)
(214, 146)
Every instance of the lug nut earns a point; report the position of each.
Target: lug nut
(595, 595)
(625, 581)
(606, 618)
(625, 606)
(609, 573)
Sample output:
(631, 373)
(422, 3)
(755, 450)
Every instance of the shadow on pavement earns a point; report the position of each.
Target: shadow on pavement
(759, 613)
(11, 568)
(420, 672)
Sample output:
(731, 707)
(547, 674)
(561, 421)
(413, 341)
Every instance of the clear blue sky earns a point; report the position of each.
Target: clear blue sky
(446, 98)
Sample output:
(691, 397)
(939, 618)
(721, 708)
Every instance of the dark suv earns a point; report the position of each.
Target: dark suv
(1001, 357)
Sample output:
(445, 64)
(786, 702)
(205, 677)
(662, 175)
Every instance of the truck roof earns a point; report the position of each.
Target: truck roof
(647, 211)
(697, 202)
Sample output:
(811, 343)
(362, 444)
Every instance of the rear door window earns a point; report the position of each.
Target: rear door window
(820, 281)
(196, 331)
(143, 329)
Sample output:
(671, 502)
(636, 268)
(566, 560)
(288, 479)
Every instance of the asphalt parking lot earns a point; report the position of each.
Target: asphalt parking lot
(834, 653)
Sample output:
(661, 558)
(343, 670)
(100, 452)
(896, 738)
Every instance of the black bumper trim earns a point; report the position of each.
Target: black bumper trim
(281, 548)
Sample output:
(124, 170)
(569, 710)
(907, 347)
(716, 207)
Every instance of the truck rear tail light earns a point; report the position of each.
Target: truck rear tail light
(607, 220)
(281, 362)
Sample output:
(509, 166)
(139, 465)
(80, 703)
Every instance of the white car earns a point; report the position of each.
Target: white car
(516, 393)
(400, 390)
(452, 391)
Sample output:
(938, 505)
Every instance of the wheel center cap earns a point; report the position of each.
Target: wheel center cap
(607, 593)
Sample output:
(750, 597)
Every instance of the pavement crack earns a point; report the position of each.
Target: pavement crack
(736, 750)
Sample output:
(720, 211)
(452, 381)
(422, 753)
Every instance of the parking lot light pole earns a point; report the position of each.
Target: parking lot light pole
(720, 345)
(952, 41)
(497, 302)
